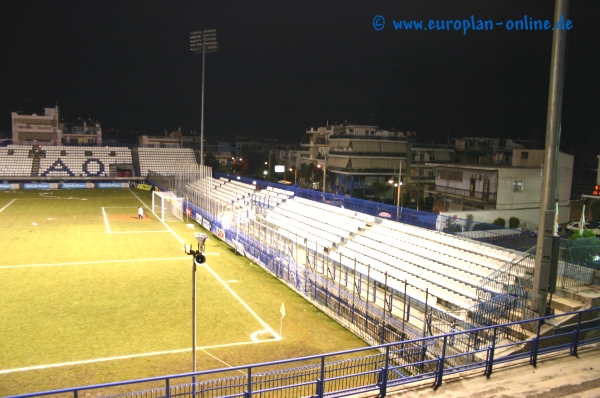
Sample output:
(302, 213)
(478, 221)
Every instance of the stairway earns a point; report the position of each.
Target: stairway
(35, 167)
(135, 159)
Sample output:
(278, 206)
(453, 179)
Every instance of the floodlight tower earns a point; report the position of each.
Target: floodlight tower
(203, 42)
(198, 259)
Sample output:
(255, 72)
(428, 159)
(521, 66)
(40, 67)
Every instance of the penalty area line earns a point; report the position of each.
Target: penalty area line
(121, 357)
(163, 223)
(8, 204)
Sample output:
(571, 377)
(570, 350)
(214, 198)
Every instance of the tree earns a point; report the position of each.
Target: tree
(379, 189)
(307, 172)
(211, 161)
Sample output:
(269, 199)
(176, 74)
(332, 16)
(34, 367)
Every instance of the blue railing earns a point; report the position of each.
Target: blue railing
(377, 368)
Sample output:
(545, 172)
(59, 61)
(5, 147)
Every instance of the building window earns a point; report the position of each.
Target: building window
(517, 186)
(450, 175)
(524, 155)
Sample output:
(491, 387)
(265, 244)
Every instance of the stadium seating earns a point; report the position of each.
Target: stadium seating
(449, 269)
(73, 161)
(165, 161)
(18, 163)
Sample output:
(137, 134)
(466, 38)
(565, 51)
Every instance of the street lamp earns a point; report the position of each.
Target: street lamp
(197, 259)
(203, 42)
(291, 169)
(324, 167)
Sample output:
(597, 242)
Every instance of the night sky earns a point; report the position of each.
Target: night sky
(285, 66)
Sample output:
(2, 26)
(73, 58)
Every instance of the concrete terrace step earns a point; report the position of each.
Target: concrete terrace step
(564, 304)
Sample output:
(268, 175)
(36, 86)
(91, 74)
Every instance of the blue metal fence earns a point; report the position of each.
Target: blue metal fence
(350, 372)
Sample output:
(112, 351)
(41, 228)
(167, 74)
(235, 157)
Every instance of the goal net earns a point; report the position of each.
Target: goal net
(167, 207)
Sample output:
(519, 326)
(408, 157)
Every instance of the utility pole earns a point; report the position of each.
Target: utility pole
(545, 276)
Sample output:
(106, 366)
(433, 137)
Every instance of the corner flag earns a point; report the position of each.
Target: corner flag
(282, 310)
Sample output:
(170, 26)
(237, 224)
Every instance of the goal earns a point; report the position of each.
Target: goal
(166, 206)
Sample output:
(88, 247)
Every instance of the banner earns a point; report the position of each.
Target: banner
(144, 187)
(77, 185)
(42, 185)
(5, 186)
(199, 218)
(113, 185)
(206, 224)
(220, 233)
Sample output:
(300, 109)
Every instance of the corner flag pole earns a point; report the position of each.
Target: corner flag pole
(282, 310)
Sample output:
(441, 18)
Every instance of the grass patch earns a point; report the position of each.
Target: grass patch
(70, 291)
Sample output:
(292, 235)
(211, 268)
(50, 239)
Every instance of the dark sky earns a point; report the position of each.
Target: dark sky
(284, 66)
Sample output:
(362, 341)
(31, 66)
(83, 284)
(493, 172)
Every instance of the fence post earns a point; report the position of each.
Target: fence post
(575, 341)
(440, 371)
(248, 392)
(535, 344)
(490, 363)
(384, 374)
(167, 388)
(321, 379)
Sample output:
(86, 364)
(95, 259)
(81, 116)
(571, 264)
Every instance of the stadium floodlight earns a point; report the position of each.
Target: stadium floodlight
(203, 42)
(198, 258)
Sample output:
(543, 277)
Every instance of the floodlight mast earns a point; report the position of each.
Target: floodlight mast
(203, 42)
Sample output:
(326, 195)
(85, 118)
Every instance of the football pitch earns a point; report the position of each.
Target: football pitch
(91, 294)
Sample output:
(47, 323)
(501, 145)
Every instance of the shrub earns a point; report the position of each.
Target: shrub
(499, 221)
(579, 235)
(358, 193)
(514, 222)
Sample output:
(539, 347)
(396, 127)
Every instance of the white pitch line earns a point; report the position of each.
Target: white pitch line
(106, 221)
(166, 226)
(9, 203)
(146, 354)
(220, 360)
(139, 232)
(234, 294)
(93, 262)
(246, 306)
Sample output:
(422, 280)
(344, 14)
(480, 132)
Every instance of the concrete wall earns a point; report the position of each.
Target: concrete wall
(529, 216)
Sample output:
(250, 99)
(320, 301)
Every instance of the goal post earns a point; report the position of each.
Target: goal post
(167, 207)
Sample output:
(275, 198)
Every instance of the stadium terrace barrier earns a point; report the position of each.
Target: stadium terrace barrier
(351, 372)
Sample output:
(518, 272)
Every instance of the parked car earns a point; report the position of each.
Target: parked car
(595, 224)
(574, 226)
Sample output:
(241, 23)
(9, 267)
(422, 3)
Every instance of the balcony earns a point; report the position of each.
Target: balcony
(488, 197)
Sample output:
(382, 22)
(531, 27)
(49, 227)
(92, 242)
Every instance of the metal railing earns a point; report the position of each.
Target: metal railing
(350, 372)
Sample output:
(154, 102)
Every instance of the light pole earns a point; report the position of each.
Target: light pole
(203, 42)
(198, 259)
(393, 184)
(324, 167)
(399, 190)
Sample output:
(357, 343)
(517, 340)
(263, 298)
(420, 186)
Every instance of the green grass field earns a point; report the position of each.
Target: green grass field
(90, 294)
